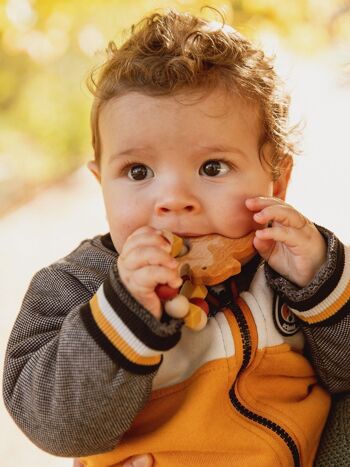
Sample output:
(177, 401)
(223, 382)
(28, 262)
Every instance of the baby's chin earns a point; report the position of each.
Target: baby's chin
(239, 234)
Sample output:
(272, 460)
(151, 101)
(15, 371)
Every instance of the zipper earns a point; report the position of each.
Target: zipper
(247, 351)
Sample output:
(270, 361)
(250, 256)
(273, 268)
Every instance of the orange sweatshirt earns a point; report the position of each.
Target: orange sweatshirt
(238, 393)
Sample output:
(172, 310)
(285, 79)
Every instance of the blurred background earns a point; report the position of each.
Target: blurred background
(48, 200)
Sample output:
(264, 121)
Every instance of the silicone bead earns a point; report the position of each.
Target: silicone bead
(201, 303)
(193, 291)
(165, 292)
(176, 246)
(177, 307)
(196, 318)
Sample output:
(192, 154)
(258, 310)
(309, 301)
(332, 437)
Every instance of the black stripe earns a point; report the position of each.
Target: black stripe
(327, 288)
(107, 242)
(105, 344)
(136, 325)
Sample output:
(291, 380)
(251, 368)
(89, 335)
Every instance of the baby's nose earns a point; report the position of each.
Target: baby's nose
(174, 200)
(174, 206)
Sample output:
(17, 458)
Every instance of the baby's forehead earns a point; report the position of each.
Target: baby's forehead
(214, 104)
(137, 123)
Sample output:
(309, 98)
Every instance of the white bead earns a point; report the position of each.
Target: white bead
(177, 307)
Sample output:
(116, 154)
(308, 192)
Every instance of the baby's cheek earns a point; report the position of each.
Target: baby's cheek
(237, 219)
(120, 228)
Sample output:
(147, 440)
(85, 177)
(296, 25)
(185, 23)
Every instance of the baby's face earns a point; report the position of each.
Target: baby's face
(186, 166)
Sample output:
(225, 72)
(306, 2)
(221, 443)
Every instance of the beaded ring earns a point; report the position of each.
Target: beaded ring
(206, 260)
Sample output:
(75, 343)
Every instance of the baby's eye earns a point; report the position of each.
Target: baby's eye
(140, 172)
(214, 168)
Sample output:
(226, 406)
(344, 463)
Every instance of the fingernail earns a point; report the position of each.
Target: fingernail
(167, 247)
(138, 462)
(141, 461)
(178, 283)
(167, 235)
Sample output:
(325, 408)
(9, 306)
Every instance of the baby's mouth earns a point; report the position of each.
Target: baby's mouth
(188, 234)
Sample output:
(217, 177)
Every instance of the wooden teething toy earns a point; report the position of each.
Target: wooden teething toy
(206, 260)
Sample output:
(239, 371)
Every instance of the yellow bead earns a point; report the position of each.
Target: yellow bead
(196, 318)
(190, 290)
(177, 245)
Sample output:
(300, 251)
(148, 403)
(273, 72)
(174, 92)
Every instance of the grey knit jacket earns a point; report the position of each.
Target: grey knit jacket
(63, 379)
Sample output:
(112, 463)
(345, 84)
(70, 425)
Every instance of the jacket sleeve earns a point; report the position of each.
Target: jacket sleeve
(323, 310)
(81, 359)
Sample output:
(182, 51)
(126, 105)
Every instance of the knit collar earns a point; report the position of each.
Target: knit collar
(107, 242)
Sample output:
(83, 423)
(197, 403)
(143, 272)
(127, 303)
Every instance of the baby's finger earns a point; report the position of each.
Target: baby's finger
(147, 278)
(260, 202)
(289, 236)
(282, 214)
(145, 460)
(140, 257)
(264, 247)
(145, 229)
(145, 239)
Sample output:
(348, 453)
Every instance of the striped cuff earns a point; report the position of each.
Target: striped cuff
(125, 336)
(327, 296)
(335, 305)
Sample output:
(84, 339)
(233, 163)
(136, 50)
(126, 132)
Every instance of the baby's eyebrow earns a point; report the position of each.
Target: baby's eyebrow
(199, 151)
(202, 150)
(129, 151)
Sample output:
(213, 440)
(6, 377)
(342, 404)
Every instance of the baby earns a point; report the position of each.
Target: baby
(190, 134)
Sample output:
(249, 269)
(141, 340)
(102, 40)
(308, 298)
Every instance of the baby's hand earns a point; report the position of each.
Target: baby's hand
(145, 262)
(292, 245)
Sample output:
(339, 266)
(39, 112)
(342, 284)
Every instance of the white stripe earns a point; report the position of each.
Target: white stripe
(194, 350)
(336, 293)
(259, 319)
(226, 333)
(113, 319)
(259, 298)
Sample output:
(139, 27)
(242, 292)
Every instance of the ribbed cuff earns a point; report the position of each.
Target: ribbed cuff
(130, 335)
(326, 294)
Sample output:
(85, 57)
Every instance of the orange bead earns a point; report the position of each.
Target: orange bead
(196, 318)
(193, 291)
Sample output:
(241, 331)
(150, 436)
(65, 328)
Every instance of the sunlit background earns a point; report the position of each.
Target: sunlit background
(48, 201)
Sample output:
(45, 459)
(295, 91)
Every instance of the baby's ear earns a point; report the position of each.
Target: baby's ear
(95, 170)
(281, 184)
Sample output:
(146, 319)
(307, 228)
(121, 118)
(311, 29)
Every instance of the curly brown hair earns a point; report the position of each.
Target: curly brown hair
(173, 52)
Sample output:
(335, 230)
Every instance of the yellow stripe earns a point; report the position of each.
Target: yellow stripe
(117, 339)
(331, 310)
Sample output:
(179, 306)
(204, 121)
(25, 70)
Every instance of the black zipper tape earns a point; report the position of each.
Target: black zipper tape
(247, 351)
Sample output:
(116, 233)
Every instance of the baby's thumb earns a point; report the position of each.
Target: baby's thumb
(145, 460)
(264, 247)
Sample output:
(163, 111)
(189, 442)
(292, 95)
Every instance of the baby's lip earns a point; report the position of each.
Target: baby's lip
(187, 234)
